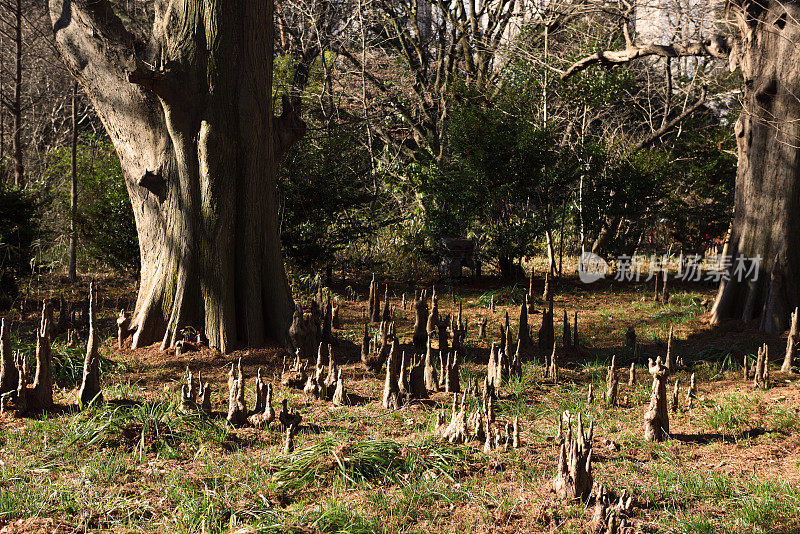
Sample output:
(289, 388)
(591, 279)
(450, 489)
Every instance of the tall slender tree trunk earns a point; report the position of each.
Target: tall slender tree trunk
(191, 118)
(73, 190)
(16, 140)
(767, 200)
(2, 129)
(551, 252)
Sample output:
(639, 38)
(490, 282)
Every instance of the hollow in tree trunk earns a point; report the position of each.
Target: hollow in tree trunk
(190, 115)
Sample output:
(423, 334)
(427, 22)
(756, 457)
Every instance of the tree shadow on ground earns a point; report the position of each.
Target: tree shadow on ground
(706, 438)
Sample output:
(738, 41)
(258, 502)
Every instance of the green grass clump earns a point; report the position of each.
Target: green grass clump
(381, 461)
(731, 415)
(143, 427)
(784, 419)
(507, 295)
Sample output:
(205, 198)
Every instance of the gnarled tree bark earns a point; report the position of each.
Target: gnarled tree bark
(767, 202)
(190, 116)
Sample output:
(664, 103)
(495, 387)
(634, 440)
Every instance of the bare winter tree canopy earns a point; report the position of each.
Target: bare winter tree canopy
(765, 46)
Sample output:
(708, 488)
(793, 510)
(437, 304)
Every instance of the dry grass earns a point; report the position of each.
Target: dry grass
(137, 464)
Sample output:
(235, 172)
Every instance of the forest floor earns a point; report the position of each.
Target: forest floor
(136, 464)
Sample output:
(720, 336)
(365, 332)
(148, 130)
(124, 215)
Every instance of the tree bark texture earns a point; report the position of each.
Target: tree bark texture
(767, 199)
(190, 115)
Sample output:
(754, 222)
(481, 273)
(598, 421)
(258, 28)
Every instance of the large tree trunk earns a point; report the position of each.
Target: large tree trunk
(190, 116)
(767, 203)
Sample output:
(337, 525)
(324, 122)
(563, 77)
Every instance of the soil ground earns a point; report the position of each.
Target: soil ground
(136, 464)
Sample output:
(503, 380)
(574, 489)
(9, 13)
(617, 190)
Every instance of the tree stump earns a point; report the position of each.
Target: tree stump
(502, 343)
(488, 399)
(420, 336)
(515, 443)
(574, 481)
(516, 361)
(691, 391)
(552, 371)
(237, 407)
(491, 366)
(375, 301)
(432, 322)
(482, 328)
(674, 404)
(304, 332)
(489, 437)
(63, 315)
(509, 344)
(669, 361)
(501, 369)
(567, 333)
(90, 386)
(431, 382)
(417, 377)
(442, 333)
(525, 345)
(387, 310)
(204, 396)
(547, 334)
(476, 424)
(266, 416)
(288, 441)
(123, 327)
(402, 377)
(40, 397)
(391, 393)
(295, 377)
(791, 344)
(761, 377)
(630, 338)
(656, 419)
(311, 389)
(333, 367)
(9, 376)
(289, 417)
(456, 430)
(339, 396)
(529, 297)
(612, 383)
(327, 320)
(657, 290)
(188, 393)
(745, 370)
(607, 515)
(632, 374)
(452, 383)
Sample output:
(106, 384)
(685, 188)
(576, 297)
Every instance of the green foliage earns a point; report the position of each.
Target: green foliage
(19, 229)
(700, 195)
(326, 197)
(106, 227)
(508, 177)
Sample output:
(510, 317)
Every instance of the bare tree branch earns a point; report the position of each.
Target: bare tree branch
(719, 47)
(666, 127)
